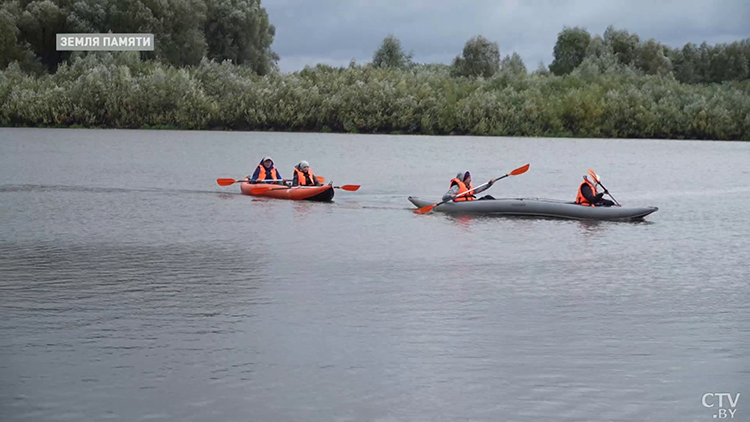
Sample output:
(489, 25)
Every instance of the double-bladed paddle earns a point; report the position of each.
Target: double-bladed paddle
(516, 172)
(227, 182)
(263, 188)
(598, 182)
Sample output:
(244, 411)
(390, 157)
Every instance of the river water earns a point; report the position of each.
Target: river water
(133, 287)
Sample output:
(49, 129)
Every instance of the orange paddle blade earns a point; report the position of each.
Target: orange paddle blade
(351, 188)
(226, 182)
(520, 170)
(321, 179)
(425, 210)
(594, 176)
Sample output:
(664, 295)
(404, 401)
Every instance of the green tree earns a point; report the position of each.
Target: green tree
(728, 62)
(12, 48)
(541, 69)
(703, 62)
(652, 60)
(599, 59)
(570, 50)
(38, 24)
(480, 57)
(9, 48)
(182, 24)
(239, 30)
(390, 54)
(513, 64)
(622, 44)
(117, 16)
(185, 31)
(684, 62)
(597, 48)
(177, 25)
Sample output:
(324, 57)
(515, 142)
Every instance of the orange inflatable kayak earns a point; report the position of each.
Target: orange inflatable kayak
(311, 193)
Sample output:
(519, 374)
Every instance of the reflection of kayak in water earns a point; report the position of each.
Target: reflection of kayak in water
(311, 193)
(535, 207)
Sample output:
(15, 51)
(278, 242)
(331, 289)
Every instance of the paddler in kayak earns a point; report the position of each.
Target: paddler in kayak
(266, 173)
(462, 183)
(588, 196)
(303, 176)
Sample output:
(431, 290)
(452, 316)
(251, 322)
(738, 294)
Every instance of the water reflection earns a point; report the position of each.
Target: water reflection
(464, 221)
(302, 210)
(591, 228)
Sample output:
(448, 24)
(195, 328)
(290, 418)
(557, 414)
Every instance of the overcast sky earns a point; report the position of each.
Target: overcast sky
(335, 31)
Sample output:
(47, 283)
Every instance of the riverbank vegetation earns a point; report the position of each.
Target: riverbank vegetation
(614, 85)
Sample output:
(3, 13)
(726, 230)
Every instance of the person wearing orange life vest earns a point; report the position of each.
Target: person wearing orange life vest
(588, 196)
(462, 183)
(303, 176)
(266, 173)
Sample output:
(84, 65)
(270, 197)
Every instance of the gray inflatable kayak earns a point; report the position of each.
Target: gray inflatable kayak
(536, 207)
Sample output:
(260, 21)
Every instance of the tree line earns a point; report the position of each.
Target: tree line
(239, 31)
(689, 64)
(213, 68)
(615, 50)
(121, 91)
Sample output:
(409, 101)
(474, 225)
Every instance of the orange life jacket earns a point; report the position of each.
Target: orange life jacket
(262, 173)
(461, 189)
(302, 180)
(580, 199)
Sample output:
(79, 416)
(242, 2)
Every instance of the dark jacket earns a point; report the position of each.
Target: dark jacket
(586, 191)
(597, 200)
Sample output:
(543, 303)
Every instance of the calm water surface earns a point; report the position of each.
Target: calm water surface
(132, 287)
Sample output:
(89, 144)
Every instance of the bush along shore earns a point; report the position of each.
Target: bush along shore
(595, 100)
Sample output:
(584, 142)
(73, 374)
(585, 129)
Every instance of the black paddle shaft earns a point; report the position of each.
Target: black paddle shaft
(607, 191)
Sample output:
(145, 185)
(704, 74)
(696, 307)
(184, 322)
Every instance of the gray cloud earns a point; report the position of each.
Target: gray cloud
(335, 31)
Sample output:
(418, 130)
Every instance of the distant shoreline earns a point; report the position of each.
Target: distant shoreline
(172, 129)
(546, 136)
